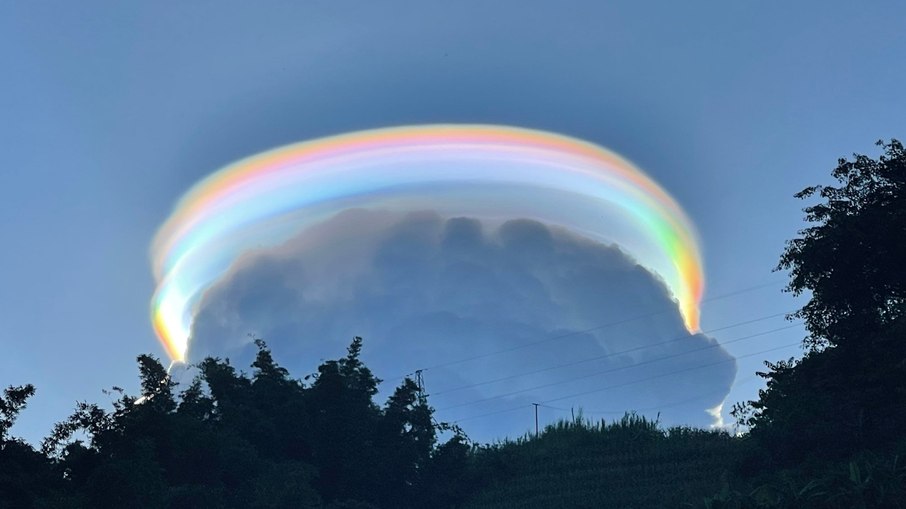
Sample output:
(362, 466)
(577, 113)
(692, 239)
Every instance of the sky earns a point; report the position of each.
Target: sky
(112, 111)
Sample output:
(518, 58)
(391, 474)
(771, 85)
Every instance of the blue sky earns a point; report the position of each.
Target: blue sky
(111, 111)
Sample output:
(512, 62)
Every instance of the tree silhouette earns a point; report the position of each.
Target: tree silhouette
(849, 390)
(26, 476)
(11, 403)
(262, 440)
(851, 261)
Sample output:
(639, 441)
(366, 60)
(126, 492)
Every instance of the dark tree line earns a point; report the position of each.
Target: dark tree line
(231, 440)
(848, 392)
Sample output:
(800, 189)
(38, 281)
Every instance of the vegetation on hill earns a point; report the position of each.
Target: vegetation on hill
(840, 410)
(826, 432)
(631, 462)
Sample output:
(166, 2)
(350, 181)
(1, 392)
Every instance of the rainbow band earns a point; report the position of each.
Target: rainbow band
(478, 170)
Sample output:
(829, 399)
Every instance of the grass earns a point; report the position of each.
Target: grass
(630, 463)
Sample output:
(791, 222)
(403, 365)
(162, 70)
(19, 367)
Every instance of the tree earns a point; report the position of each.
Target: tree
(849, 391)
(234, 440)
(343, 424)
(157, 387)
(11, 403)
(407, 440)
(851, 259)
(25, 475)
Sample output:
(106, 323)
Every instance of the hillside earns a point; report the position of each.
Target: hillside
(630, 463)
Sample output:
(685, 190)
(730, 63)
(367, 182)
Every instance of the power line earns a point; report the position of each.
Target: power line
(584, 331)
(656, 407)
(611, 354)
(561, 398)
(523, 406)
(619, 368)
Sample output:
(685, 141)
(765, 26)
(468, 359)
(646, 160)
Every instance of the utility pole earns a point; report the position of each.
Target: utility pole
(536, 418)
(420, 383)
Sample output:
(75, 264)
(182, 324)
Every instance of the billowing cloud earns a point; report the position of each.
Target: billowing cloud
(586, 325)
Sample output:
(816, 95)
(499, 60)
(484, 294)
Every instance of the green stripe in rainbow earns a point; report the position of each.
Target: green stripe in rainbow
(481, 171)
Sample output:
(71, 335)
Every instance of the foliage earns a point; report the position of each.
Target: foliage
(628, 463)
(233, 440)
(850, 259)
(11, 403)
(267, 441)
(867, 480)
(24, 473)
(849, 389)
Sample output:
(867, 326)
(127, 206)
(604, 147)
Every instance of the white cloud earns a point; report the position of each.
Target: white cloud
(717, 413)
(425, 290)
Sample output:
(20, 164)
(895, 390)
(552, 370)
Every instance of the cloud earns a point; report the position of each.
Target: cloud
(424, 290)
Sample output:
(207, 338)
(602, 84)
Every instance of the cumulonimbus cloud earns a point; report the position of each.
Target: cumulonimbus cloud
(425, 290)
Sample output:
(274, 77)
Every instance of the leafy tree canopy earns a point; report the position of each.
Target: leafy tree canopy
(848, 392)
(851, 258)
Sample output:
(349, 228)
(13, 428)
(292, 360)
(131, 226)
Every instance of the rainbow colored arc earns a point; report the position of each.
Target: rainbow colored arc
(482, 171)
